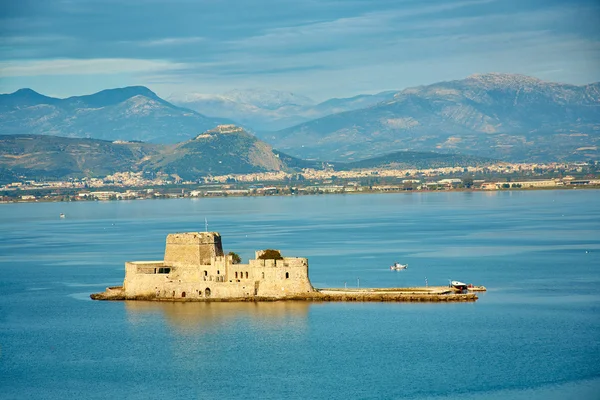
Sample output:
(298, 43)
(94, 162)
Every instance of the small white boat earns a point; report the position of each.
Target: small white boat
(62, 215)
(398, 267)
(458, 285)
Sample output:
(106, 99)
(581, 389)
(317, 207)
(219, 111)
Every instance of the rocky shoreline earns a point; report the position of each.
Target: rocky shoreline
(434, 295)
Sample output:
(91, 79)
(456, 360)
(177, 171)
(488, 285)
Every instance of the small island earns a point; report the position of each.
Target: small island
(195, 268)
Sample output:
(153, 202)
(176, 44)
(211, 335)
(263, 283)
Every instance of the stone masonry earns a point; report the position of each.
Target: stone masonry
(195, 268)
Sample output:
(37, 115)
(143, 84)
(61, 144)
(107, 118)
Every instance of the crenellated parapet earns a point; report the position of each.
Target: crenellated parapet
(195, 267)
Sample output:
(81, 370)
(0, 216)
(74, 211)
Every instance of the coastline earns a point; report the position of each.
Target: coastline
(435, 294)
(358, 192)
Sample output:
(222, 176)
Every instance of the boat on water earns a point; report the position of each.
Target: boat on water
(458, 285)
(398, 267)
(62, 215)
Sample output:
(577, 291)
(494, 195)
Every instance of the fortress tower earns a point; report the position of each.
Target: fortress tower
(195, 268)
(193, 248)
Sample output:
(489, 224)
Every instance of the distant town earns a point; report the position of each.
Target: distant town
(138, 185)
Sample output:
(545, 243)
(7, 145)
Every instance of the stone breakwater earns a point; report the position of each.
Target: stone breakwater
(435, 295)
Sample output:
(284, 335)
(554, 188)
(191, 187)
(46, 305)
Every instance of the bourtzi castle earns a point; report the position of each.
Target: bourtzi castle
(195, 267)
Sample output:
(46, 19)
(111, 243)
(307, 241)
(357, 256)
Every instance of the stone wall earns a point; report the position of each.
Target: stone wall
(195, 268)
(192, 248)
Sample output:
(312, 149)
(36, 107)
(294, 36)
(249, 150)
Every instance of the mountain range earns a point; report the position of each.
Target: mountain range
(226, 149)
(131, 113)
(270, 110)
(509, 117)
(501, 116)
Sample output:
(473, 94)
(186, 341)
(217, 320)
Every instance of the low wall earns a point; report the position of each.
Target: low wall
(357, 296)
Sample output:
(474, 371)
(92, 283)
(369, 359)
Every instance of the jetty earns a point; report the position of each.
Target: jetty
(195, 268)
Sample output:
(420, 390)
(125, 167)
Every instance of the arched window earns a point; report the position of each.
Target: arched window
(182, 294)
(287, 275)
(218, 272)
(246, 274)
(236, 275)
(207, 292)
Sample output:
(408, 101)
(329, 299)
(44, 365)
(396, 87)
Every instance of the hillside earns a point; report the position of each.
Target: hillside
(43, 157)
(226, 149)
(131, 113)
(502, 116)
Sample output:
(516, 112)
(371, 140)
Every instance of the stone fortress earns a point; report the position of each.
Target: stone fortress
(195, 268)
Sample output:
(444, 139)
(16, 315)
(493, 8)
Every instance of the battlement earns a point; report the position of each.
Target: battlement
(195, 267)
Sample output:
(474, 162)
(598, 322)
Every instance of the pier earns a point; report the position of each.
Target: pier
(416, 294)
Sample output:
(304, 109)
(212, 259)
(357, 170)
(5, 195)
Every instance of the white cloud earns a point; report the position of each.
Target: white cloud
(94, 66)
(173, 41)
(343, 30)
(32, 40)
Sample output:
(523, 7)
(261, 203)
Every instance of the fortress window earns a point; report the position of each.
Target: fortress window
(205, 273)
(236, 275)
(218, 272)
(207, 292)
(164, 270)
(182, 294)
(246, 274)
(287, 275)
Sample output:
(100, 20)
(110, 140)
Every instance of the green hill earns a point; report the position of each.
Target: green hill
(226, 149)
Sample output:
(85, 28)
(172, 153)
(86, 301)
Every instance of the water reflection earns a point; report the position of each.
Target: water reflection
(198, 317)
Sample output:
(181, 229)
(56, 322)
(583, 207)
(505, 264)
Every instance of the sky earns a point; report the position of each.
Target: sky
(317, 48)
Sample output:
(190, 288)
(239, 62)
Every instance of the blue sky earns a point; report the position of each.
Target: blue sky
(318, 48)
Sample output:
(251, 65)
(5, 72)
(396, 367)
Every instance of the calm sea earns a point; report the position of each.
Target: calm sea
(534, 335)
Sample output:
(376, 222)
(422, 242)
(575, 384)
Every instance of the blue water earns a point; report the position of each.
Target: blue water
(534, 335)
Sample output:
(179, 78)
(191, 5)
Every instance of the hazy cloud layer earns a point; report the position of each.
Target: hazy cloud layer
(318, 48)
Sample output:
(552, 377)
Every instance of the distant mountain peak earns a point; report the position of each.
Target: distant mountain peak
(129, 113)
(502, 79)
(268, 99)
(25, 91)
(26, 97)
(109, 97)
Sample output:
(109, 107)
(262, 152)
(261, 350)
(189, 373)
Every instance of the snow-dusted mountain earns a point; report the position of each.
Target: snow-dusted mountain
(269, 110)
(268, 99)
(130, 113)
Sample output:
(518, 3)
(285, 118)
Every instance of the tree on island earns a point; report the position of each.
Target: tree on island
(236, 259)
(270, 254)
